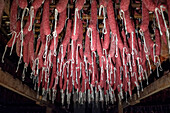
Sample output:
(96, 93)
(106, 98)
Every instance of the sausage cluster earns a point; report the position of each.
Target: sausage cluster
(92, 62)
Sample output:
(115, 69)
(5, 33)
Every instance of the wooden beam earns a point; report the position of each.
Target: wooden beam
(160, 84)
(14, 84)
(7, 7)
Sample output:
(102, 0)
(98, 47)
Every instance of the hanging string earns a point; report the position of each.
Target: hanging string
(156, 12)
(21, 38)
(89, 33)
(116, 41)
(167, 31)
(104, 30)
(76, 15)
(31, 17)
(15, 36)
(145, 47)
(4, 54)
(122, 16)
(55, 32)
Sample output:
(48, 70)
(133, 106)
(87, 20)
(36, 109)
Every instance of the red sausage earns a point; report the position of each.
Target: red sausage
(99, 46)
(61, 21)
(45, 18)
(87, 51)
(103, 2)
(112, 46)
(129, 24)
(41, 51)
(145, 18)
(22, 3)
(61, 5)
(13, 15)
(80, 38)
(67, 34)
(158, 42)
(111, 17)
(149, 5)
(93, 19)
(25, 54)
(79, 4)
(124, 5)
(37, 3)
(42, 35)
(27, 38)
(18, 43)
(31, 47)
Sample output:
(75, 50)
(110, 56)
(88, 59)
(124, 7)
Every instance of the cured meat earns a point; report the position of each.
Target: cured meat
(61, 21)
(149, 5)
(37, 3)
(45, 18)
(13, 15)
(111, 17)
(68, 34)
(61, 5)
(79, 4)
(22, 3)
(99, 46)
(31, 47)
(93, 12)
(124, 5)
(145, 18)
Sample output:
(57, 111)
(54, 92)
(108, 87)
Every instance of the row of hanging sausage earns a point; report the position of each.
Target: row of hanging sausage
(95, 66)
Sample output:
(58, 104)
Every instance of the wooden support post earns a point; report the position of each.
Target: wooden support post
(160, 84)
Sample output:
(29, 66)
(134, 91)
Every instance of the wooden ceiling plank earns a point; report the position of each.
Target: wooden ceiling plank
(157, 86)
(14, 84)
